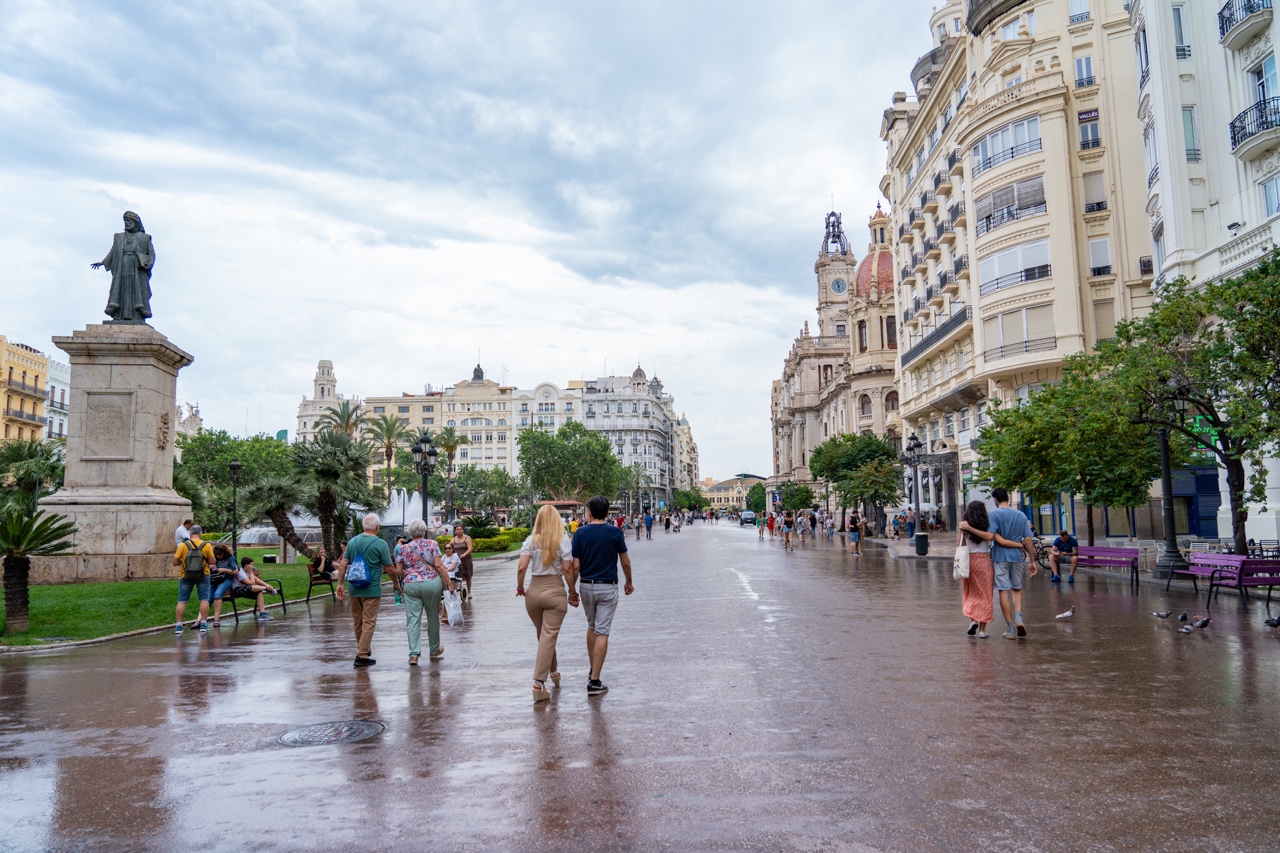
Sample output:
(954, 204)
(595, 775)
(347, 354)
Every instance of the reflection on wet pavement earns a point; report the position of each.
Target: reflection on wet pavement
(759, 700)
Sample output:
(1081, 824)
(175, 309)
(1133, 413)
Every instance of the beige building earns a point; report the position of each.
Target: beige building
(324, 396)
(731, 495)
(26, 373)
(1020, 238)
(842, 380)
(685, 475)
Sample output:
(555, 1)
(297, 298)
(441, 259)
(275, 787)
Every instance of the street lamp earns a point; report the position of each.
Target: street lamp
(235, 468)
(1171, 561)
(914, 446)
(425, 457)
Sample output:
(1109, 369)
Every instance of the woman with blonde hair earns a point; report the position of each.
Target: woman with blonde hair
(549, 553)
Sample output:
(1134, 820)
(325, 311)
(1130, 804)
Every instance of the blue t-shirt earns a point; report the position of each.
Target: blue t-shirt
(1013, 525)
(596, 548)
(1070, 545)
(648, 521)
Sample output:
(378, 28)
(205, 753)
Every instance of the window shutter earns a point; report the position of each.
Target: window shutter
(1100, 253)
(991, 333)
(1030, 192)
(1012, 328)
(1040, 322)
(1104, 320)
(985, 207)
(1004, 197)
(1095, 190)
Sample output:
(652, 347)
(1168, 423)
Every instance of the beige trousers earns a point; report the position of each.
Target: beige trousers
(547, 603)
(364, 616)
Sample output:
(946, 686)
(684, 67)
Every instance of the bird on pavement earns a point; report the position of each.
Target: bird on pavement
(1201, 623)
(1273, 622)
(1183, 617)
(1162, 614)
(1186, 629)
(1068, 614)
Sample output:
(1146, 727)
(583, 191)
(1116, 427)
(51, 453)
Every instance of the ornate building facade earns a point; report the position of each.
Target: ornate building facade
(24, 370)
(842, 380)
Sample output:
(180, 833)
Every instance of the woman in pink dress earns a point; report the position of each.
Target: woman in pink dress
(977, 589)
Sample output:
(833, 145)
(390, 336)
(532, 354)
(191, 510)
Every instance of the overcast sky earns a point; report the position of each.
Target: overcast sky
(396, 186)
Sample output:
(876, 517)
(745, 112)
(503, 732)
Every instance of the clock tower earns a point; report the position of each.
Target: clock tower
(835, 269)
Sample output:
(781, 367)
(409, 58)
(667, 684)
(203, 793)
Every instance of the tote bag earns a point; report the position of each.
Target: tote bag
(960, 566)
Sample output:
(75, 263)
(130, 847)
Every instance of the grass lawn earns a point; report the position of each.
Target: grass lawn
(84, 611)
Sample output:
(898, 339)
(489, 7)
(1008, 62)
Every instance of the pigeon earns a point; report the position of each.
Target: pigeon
(1274, 622)
(1201, 623)
(1183, 617)
(1068, 614)
(1162, 614)
(1186, 629)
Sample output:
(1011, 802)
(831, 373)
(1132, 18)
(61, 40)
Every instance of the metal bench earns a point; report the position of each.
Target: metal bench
(1240, 572)
(1202, 564)
(1109, 558)
(315, 582)
(231, 597)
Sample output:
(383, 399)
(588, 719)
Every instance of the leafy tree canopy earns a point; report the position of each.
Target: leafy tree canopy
(207, 455)
(839, 456)
(793, 497)
(571, 464)
(757, 498)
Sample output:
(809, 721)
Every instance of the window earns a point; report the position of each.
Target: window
(462, 453)
(1010, 82)
(1009, 30)
(379, 410)
(949, 425)
(1100, 257)
(1104, 320)
(891, 333)
(1008, 142)
(1271, 195)
(1144, 64)
(1264, 79)
(402, 410)
(1189, 136)
(1015, 265)
(962, 92)
(1079, 11)
(1017, 332)
(864, 406)
(964, 419)
(1084, 71)
(428, 420)
(1008, 203)
(839, 330)
(891, 401)
(862, 336)
(452, 422)
(619, 408)
(1180, 29)
(428, 408)
(1095, 192)
(933, 430)
(982, 414)
(1090, 135)
(955, 23)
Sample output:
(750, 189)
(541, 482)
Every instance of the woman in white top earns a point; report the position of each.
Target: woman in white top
(550, 555)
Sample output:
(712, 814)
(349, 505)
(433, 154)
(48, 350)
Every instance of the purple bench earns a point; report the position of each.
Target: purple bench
(1240, 573)
(1202, 565)
(1109, 558)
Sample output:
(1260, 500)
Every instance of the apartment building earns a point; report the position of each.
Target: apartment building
(25, 372)
(58, 408)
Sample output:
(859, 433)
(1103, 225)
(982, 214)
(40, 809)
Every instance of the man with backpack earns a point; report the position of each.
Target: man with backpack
(360, 576)
(195, 557)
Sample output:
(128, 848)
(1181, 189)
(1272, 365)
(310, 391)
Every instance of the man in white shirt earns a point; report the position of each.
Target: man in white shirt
(182, 533)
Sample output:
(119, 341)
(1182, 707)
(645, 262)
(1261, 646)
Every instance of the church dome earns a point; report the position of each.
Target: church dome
(877, 265)
(638, 375)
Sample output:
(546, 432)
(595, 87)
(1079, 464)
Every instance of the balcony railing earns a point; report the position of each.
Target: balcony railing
(1095, 206)
(959, 316)
(1087, 144)
(945, 279)
(25, 416)
(928, 198)
(58, 406)
(1153, 175)
(29, 390)
(1103, 270)
(1183, 51)
(917, 304)
(1035, 345)
(1021, 276)
(1146, 75)
(941, 179)
(906, 273)
(902, 231)
(915, 216)
(960, 263)
(1193, 155)
(1146, 266)
(917, 259)
(1082, 82)
(929, 245)
(906, 316)
(1263, 115)
(957, 211)
(1007, 215)
(929, 292)
(1005, 154)
(945, 227)
(955, 158)
(1079, 17)
(1236, 11)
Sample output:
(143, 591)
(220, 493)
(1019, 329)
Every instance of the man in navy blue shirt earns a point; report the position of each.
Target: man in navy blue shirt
(648, 525)
(1063, 547)
(598, 547)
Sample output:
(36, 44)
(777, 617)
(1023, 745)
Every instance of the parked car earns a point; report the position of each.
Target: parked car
(747, 517)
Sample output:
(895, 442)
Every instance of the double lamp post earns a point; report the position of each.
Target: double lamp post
(425, 457)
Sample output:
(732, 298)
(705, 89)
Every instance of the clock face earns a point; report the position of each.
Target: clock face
(838, 286)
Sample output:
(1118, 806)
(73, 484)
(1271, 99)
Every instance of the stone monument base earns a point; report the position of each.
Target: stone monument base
(116, 536)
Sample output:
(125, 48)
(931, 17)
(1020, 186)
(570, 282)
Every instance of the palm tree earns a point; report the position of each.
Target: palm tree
(275, 498)
(449, 440)
(335, 467)
(346, 418)
(29, 470)
(386, 434)
(634, 478)
(23, 536)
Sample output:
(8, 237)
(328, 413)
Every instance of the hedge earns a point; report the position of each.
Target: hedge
(495, 543)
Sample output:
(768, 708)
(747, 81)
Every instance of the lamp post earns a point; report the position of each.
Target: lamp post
(425, 457)
(235, 468)
(914, 446)
(1171, 561)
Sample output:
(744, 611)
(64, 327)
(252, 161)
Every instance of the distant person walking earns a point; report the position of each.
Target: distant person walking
(788, 528)
(423, 583)
(196, 559)
(464, 546)
(857, 526)
(366, 599)
(648, 525)
(1010, 569)
(549, 553)
(760, 526)
(597, 550)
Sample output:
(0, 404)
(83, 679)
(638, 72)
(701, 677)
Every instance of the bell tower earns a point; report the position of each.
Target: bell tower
(835, 270)
(326, 385)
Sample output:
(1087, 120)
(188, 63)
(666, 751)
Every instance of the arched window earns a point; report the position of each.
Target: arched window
(864, 406)
(891, 401)
(862, 336)
(452, 423)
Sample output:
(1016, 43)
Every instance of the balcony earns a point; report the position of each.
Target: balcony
(1015, 278)
(916, 304)
(916, 218)
(1009, 350)
(955, 162)
(946, 233)
(1153, 175)
(906, 274)
(942, 182)
(906, 234)
(1256, 129)
(906, 316)
(1090, 144)
(930, 293)
(931, 249)
(57, 406)
(1007, 215)
(1094, 272)
(958, 217)
(25, 416)
(935, 296)
(1095, 207)
(959, 318)
(1146, 267)
(1240, 20)
(1183, 51)
(928, 202)
(1079, 18)
(947, 283)
(1004, 155)
(1085, 82)
(961, 267)
(918, 261)
(26, 389)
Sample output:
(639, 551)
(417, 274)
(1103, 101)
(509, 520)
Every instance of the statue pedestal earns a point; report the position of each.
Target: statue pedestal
(118, 488)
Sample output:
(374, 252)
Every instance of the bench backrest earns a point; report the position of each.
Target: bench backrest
(1260, 566)
(1120, 553)
(1233, 561)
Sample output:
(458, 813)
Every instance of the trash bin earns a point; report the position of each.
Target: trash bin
(269, 558)
(922, 544)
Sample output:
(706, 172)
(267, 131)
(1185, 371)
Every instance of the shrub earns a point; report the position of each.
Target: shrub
(516, 533)
(443, 540)
(493, 543)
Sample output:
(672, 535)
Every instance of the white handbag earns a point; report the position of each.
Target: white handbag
(960, 566)
(453, 608)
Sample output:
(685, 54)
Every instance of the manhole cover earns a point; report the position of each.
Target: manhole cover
(343, 731)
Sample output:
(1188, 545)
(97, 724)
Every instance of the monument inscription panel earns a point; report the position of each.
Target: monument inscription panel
(108, 425)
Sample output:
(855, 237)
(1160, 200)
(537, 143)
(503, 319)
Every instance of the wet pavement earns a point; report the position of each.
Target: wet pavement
(759, 700)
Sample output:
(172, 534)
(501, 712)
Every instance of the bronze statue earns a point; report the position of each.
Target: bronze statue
(130, 261)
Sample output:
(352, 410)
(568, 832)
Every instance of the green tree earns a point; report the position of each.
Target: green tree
(841, 457)
(29, 470)
(757, 498)
(186, 485)
(571, 464)
(386, 434)
(503, 490)
(275, 498)
(795, 496)
(690, 499)
(632, 480)
(334, 471)
(346, 417)
(449, 440)
(469, 487)
(24, 535)
(877, 484)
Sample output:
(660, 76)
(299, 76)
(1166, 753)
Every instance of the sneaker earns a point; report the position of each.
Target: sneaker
(203, 626)
(413, 660)
(1022, 630)
(1071, 579)
(973, 629)
(982, 635)
(264, 616)
(1054, 579)
(364, 662)
(596, 688)
(177, 629)
(1010, 634)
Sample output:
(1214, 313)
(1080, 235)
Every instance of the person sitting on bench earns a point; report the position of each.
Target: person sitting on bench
(322, 568)
(222, 577)
(1064, 547)
(250, 585)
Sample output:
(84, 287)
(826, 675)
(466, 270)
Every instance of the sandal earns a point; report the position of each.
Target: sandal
(555, 678)
(217, 623)
(540, 693)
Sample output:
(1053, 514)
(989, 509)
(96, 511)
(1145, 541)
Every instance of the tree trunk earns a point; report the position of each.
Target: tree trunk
(1088, 514)
(844, 517)
(17, 602)
(1239, 509)
(284, 527)
(326, 507)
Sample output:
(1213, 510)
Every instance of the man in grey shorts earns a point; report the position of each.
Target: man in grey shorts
(598, 547)
(1010, 570)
